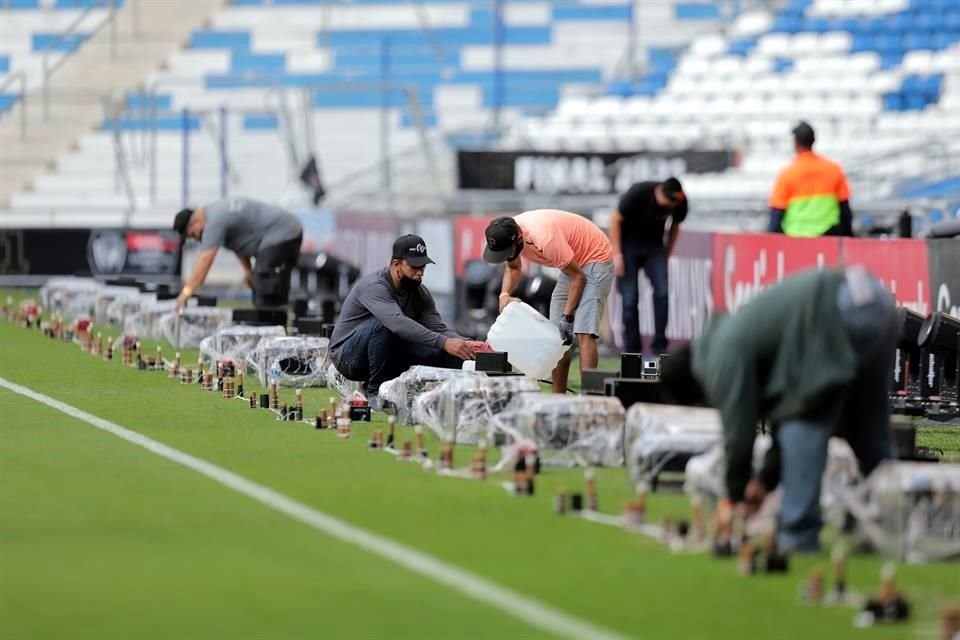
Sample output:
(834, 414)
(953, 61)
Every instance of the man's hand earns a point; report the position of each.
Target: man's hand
(477, 345)
(459, 348)
(754, 495)
(566, 329)
(248, 280)
(618, 265)
(505, 299)
(181, 301)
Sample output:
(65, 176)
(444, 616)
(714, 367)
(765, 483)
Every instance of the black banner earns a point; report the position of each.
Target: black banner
(26, 254)
(944, 258)
(572, 173)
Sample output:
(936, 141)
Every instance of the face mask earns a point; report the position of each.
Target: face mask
(517, 251)
(408, 284)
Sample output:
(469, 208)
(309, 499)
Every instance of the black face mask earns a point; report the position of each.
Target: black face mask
(517, 250)
(409, 284)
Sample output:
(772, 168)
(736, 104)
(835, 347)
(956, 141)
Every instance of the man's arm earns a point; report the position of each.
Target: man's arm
(578, 281)
(200, 271)
(247, 270)
(846, 219)
(731, 385)
(511, 279)
(616, 223)
(431, 319)
(672, 236)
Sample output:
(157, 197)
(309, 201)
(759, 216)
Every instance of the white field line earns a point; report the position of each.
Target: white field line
(530, 611)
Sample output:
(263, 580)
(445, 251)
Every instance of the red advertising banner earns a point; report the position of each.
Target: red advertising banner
(901, 264)
(469, 240)
(746, 264)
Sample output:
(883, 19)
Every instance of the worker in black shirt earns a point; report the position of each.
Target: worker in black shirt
(636, 232)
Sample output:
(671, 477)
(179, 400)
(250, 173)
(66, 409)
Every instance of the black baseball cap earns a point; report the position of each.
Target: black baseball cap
(803, 134)
(413, 249)
(501, 236)
(181, 220)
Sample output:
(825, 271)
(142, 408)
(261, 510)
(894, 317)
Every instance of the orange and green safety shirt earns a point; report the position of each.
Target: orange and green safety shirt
(809, 192)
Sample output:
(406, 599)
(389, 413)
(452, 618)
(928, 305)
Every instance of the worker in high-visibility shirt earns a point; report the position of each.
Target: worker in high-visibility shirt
(811, 197)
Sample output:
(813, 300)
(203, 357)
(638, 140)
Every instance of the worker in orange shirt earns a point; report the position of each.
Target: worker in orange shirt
(811, 197)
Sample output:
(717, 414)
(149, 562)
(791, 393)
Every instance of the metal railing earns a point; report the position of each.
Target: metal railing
(71, 30)
(21, 77)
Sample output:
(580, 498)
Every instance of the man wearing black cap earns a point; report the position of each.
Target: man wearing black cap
(389, 322)
(251, 229)
(811, 197)
(636, 232)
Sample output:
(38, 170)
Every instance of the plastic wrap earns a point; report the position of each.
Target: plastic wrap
(705, 475)
(338, 383)
(663, 437)
(910, 510)
(187, 328)
(70, 297)
(403, 390)
(123, 308)
(145, 322)
(236, 342)
(106, 297)
(295, 361)
(462, 409)
(568, 430)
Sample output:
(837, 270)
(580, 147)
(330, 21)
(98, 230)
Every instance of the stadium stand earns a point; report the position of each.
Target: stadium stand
(262, 60)
(268, 82)
(879, 79)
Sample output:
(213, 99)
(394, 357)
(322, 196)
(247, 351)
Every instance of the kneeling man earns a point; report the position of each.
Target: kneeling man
(389, 322)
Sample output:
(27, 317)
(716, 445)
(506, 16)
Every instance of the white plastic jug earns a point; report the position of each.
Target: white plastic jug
(533, 343)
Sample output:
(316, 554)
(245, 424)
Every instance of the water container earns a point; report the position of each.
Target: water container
(533, 343)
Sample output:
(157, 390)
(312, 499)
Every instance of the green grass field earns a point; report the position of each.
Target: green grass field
(100, 538)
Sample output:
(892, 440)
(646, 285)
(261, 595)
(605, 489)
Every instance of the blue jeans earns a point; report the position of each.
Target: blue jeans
(373, 354)
(865, 421)
(653, 261)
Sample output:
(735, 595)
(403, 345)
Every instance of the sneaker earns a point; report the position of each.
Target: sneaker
(379, 404)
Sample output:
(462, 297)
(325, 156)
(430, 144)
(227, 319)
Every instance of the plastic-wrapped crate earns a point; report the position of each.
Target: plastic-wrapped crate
(403, 390)
(663, 437)
(70, 297)
(145, 322)
(124, 308)
(910, 510)
(338, 383)
(192, 324)
(295, 361)
(235, 342)
(568, 430)
(107, 296)
(705, 475)
(462, 409)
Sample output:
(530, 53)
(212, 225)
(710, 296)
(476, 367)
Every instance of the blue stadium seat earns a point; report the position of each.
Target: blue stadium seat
(6, 101)
(40, 41)
(260, 121)
(240, 62)
(4, 64)
(143, 101)
(164, 122)
(209, 39)
(592, 12)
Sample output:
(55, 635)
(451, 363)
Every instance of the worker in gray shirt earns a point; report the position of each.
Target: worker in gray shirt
(251, 229)
(389, 322)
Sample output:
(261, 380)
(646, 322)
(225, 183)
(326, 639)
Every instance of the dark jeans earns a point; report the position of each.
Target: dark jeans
(373, 354)
(653, 261)
(873, 329)
(272, 269)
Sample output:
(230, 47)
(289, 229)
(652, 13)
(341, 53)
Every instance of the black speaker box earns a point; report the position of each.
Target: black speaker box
(593, 381)
(260, 317)
(633, 390)
(493, 362)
